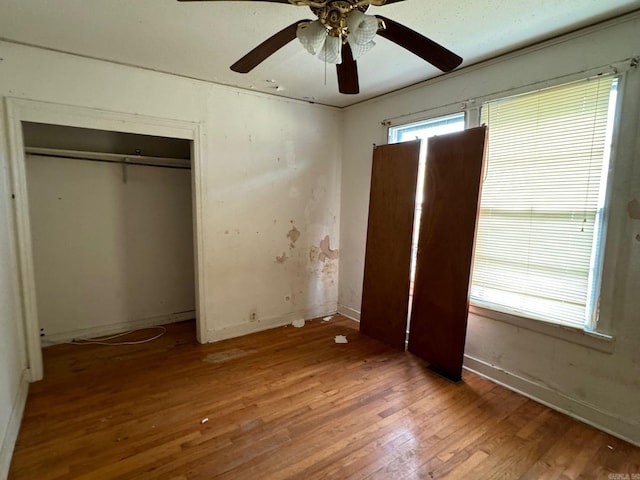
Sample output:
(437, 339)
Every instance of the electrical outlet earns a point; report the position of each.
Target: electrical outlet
(253, 315)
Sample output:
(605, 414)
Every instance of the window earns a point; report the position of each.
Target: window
(540, 236)
(423, 130)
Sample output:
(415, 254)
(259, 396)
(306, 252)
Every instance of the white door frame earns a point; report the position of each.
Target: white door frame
(21, 110)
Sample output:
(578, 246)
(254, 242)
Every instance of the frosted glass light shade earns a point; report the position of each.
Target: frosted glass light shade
(312, 36)
(359, 49)
(331, 51)
(362, 28)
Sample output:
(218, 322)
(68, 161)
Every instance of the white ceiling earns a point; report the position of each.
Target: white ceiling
(202, 39)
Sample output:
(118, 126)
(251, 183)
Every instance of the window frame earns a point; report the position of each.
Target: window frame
(601, 335)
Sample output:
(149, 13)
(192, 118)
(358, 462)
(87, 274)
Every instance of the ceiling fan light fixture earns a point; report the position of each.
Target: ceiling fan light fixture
(331, 51)
(362, 28)
(359, 49)
(312, 36)
(341, 34)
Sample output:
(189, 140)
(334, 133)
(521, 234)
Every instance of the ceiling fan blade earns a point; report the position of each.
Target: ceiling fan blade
(348, 72)
(274, 1)
(420, 45)
(267, 48)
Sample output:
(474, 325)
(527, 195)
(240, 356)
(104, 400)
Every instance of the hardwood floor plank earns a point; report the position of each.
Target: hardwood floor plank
(289, 403)
(436, 456)
(469, 466)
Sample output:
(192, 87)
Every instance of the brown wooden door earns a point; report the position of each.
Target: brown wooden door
(445, 250)
(385, 294)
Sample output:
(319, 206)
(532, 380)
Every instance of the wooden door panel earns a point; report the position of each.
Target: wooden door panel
(445, 250)
(385, 294)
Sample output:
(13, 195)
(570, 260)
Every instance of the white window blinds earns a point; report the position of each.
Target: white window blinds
(538, 241)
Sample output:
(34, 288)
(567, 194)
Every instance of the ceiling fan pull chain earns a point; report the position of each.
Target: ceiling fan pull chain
(325, 71)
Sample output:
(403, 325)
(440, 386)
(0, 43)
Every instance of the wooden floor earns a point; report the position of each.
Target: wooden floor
(290, 403)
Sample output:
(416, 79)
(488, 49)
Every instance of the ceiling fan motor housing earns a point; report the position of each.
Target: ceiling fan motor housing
(334, 15)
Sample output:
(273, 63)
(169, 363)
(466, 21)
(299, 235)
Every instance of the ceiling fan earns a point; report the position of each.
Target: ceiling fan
(341, 34)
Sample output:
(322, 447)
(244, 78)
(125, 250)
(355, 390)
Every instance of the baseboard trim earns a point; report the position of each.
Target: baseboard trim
(349, 312)
(117, 327)
(576, 409)
(233, 331)
(246, 329)
(262, 324)
(13, 428)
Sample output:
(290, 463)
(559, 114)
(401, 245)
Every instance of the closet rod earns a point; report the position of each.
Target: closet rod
(117, 158)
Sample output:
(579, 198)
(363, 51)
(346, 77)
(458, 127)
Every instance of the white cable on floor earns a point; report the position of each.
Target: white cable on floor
(101, 341)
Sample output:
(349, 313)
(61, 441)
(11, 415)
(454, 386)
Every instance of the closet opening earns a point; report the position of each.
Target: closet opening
(112, 230)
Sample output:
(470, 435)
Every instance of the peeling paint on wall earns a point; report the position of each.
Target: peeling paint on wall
(325, 250)
(329, 273)
(634, 209)
(282, 258)
(330, 268)
(293, 235)
(323, 262)
(314, 254)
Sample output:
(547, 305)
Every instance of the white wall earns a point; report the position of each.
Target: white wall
(270, 164)
(12, 361)
(263, 174)
(109, 255)
(603, 388)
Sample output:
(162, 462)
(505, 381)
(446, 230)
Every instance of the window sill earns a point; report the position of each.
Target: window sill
(594, 340)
